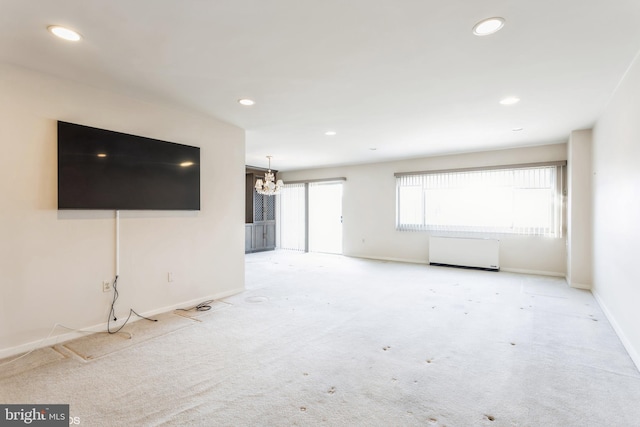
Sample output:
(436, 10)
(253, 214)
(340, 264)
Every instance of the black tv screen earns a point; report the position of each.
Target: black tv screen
(102, 169)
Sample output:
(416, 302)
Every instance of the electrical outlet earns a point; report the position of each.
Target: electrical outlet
(106, 286)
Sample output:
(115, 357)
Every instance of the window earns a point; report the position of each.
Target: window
(515, 199)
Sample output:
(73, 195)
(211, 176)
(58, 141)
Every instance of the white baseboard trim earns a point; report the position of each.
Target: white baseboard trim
(534, 272)
(422, 261)
(633, 353)
(410, 261)
(191, 303)
(579, 285)
(52, 340)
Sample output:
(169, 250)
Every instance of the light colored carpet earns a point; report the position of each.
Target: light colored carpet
(336, 341)
(99, 345)
(28, 363)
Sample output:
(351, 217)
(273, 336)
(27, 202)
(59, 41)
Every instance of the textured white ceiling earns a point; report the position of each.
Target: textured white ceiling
(405, 77)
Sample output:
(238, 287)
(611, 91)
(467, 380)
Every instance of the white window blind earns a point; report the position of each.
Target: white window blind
(291, 222)
(516, 199)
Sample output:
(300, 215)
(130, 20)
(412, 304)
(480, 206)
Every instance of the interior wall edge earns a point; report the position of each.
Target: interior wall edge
(633, 352)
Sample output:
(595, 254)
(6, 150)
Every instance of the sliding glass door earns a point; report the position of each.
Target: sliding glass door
(325, 217)
(310, 217)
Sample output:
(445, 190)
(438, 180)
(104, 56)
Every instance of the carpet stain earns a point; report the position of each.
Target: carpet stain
(332, 390)
(306, 374)
(490, 417)
(303, 408)
(385, 348)
(513, 343)
(429, 360)
(432, 420)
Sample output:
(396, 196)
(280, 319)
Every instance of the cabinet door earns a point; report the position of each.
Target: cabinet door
(258, 236)
(258, 206)
(264, 236)
(269, 208)
(270, 235)
(264, 207)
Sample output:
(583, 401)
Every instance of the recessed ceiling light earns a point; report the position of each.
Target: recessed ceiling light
(186, 164)
(102, 155)
(64, 33)
(331, 133)
(488, 26)
(246, 102)
(510, 100)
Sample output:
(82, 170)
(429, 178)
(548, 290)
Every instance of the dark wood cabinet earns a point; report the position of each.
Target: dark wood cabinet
(260, 216)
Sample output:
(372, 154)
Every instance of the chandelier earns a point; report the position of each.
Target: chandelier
(268, 187)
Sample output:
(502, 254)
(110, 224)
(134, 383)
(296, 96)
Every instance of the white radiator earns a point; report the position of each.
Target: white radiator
(463, 252)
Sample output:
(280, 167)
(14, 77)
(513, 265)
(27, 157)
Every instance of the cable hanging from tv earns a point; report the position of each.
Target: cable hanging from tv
(112, 313)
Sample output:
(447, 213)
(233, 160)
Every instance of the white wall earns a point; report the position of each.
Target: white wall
(52, 263)
(369, 210)
(616, 210)
(579, 248)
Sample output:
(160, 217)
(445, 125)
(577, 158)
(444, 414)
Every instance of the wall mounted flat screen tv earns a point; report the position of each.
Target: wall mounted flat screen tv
(102, 169)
